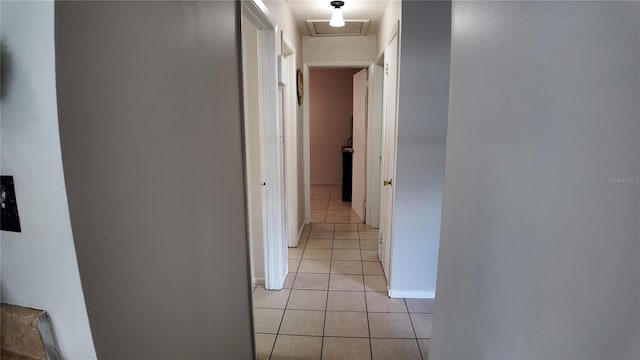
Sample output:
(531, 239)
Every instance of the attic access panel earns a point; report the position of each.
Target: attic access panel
(350, 28)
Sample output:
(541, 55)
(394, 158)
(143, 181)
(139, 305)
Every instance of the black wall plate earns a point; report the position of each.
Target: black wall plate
(9, 219)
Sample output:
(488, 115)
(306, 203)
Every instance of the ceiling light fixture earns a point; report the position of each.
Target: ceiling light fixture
(337, 20)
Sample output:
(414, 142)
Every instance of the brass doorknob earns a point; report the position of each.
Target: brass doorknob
(387, 182)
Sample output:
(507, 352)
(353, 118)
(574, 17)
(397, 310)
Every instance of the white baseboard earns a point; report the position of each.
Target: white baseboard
(299, 235)
(412, 294)
(257, 282)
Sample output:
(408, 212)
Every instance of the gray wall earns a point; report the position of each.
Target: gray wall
(539, 257)
(422, 128)
(150, 121)
(39, 267)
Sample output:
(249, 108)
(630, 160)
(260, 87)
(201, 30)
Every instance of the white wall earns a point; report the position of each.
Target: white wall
(39, 267)
(343, 48)
(540, 248)
(422, 127)
(392, 14)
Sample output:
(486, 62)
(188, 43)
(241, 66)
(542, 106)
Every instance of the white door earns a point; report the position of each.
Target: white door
(359, 171)
(374, 138)
(390, 121)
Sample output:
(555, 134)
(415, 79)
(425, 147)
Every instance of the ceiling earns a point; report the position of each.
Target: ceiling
(304, 10)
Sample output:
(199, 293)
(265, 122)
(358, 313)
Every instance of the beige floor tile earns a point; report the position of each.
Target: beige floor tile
(318, 212)
(307, 300)
(304, 234)
(295, 253)
(320, 196)
(320, 234)
(337, 219)
(270, 299)
(346, 244)
(346, 227)
(422, 325)
(318, 218)
(347, 324)
(368, 235)
(314, 266)
(346, 301)
(297, 347)
(346, 267)
(369, 255)
(267, 320)
(320, 205)
(317, 254)
(354, 220)
(369, 244)
(302, 322)
(337, 212)
(311, 281)
(302, 243)
(346, 282)
(319, 244)
(375, 283)
(293, 265)
(424, 348)
(322, 227)
(264, 345)
(334, 348)
(380, 302)
(390, 325)
(307, 227)
(346, 254)
(372, 268)
(395, 349)
(336, 206)
(424, 306)
(288, 280)
(365, 227)
(345, 235)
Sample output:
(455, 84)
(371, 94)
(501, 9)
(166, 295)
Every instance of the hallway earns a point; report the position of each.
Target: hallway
(334, 304)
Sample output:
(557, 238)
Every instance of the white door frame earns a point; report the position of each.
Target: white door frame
(306, 121)
(271, 145)
(385, 249)
(290, 105)
(374, 145)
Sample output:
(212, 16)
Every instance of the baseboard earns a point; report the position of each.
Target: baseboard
(257, 282)
(412, 294)
(299, 236)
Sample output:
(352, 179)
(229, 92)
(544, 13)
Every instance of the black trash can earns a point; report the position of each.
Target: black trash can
(347, 163)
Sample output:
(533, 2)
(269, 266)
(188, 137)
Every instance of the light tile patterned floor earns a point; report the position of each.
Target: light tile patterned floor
(335, 305)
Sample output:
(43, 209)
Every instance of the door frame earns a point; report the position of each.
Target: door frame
(306, 121)
(374, 144)
(273, 211)
(386, 248)
(290, 107)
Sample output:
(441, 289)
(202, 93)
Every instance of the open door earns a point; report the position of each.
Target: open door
(359, 170)
(388, 170)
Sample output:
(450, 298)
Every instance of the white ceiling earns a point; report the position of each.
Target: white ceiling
(304, 10)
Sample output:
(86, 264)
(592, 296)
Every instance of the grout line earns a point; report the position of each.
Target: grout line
(413, 328)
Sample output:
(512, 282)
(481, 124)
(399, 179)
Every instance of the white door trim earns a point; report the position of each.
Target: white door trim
(271, 135)
(290, 105)
(306, 122)
(374, 145)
